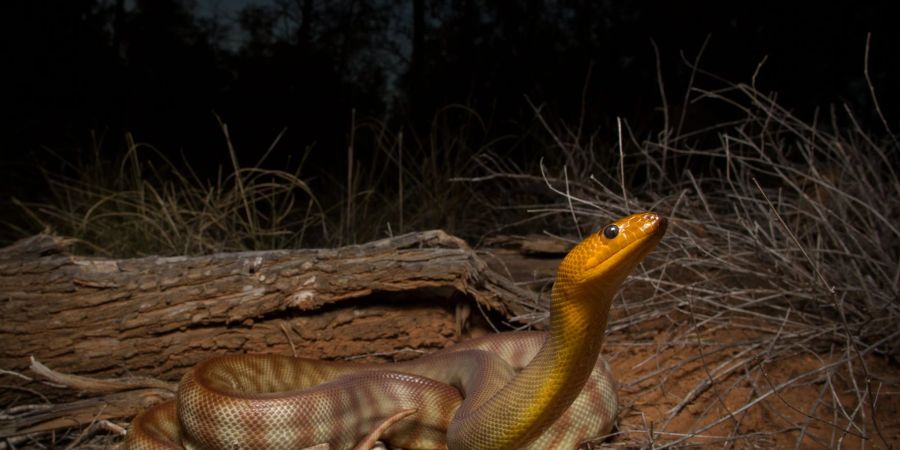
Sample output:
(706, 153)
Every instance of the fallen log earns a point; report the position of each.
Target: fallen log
(157, 316)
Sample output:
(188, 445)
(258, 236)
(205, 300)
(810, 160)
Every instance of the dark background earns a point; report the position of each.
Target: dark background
(81, 73)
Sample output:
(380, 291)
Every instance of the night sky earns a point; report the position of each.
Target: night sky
(85, 72)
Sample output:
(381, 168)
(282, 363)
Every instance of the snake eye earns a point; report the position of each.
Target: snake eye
(611, 231)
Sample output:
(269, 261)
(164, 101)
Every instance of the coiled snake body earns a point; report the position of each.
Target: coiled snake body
(506, 391)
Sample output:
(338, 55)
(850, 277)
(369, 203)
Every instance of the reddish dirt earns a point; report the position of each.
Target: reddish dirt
(658, 373)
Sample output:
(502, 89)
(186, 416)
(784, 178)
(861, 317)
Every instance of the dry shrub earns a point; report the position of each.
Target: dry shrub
(783, 246)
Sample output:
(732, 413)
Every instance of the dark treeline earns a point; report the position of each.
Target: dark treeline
(161, 71)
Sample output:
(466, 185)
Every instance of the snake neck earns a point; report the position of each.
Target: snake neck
(542, 391)
(568, 356)
(573, 344)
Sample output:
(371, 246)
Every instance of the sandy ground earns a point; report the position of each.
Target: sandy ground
(717, 388)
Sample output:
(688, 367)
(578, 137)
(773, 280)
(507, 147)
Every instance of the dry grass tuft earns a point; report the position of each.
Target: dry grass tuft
(145, 204)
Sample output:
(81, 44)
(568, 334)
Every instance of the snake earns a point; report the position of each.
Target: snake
(504, 391)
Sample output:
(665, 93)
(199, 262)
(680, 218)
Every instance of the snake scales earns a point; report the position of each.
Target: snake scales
(505, 391)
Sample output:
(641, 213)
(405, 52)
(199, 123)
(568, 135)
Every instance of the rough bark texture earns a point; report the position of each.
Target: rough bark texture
(157, 316)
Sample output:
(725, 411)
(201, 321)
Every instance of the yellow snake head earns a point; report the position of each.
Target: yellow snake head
(593, 271)
(596, 268)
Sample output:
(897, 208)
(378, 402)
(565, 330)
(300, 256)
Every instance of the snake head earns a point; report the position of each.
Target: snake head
(603, 260)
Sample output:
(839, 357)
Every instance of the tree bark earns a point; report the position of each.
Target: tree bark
(158, 316)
